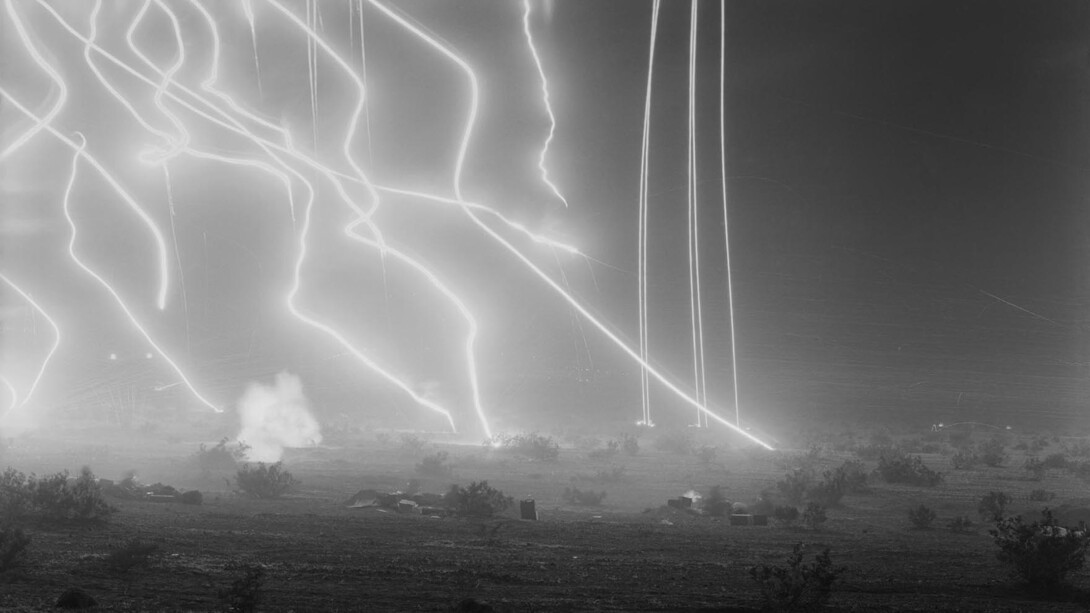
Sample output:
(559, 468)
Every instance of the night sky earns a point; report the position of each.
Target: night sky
(907, 206)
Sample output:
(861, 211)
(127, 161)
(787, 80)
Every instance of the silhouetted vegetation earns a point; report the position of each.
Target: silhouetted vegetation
(907, 469)
(478, 500)
(1042, 553)
(244, 594)
(586, 498)
(921, 517)
(993, 506)
(795, 585)
(265, 480)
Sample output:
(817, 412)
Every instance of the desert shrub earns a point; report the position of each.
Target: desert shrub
(1076, 448)
(135, 553)
(677, 442)
(872, 452)
(477, 500)
(1079, 469)
(244, 594)
(964, 460)
(907, 469)
(411, 445)
(993, 452)
(1034, 466)
(814, 515)
(1041, 495)
(763, 505)
(532, 446)
(795, 484)
(15, 500)
(630, 444)
(716, 503)
(14, 544)
(960, 439)
(992, 506)
(265, 480)
(611, 449)
(961, 523)
(56, 497)
(853, 477)
(1037, 445)
(785, 515)
(586, 498)
(435, 465)
(829, 490)
(191, 497)
(921, 517)
(221, 456)
(585, 443)
(797, 586)
(1041, 553)
(706, 455)
(1054, 460)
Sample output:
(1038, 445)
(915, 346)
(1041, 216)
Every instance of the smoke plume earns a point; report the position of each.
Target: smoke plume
(276, 417)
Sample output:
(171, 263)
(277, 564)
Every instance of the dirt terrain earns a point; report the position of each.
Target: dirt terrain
(632, 553)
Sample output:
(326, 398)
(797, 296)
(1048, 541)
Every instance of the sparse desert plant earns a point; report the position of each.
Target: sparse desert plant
(677, 442)
(853, 477)
(907, 469)
(706, 455)
(795, 484)
(785, 515)
(611, 449)
(478, 500)
(992, 506)
(532, 446)
(435, 465)
(265, 480)
(583, 498)
(630, 444)
(56, 497)
(1034, 466)
(830, 490)
(135, 553)
(1042, 553)
(411, 445)
(244, 594)
(193, 497)
(960, 524)
(221, 456)
(1041, 495)
(964, 460)
(993, 452)
(14, 544)
(15, 500)
(921, 517)
(1076, 448)
(814, 516)
(1055, 460)
(797, 586)
(872, 451)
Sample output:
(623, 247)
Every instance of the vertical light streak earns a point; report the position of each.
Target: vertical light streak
(248, 11)
(312, 70)
(80, 154)
(56, 337)
(177, 256)
(641, 272)
(545, 101)
(696, 313)
(164, 272)
(363, 78)
(462, 148)
(726, 220)
(14, 395)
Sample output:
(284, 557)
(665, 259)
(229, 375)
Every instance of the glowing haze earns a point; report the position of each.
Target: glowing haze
(243, 190)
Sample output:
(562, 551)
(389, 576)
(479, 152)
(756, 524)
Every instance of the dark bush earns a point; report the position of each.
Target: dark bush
(921, 517)
(532, 446)
(244, 594)
(135, 553)
(677, 442)
(872, 452)
(14, 544)
(795, 484)
(907, 469)
(853, 477)
(964, 460)
(611, 449)
(961, 523)
(435, 465)
(220, 457)
(411, 445)
(1042, 553)
(706, 455)
(814, 515)
(265, 480)
(576, 496)
(796, 586)
(630, 444)
(15, 500)
(829, 490)
(715, 503)
(992, 506)
(56, 497)
(994, 452)
(785, 515)
(477, 500)
(193, 497)
(1040, 495)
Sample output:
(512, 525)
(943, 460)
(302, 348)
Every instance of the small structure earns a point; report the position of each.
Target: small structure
(528, 509)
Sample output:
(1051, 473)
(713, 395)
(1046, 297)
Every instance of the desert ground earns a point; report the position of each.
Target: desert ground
(631, 552)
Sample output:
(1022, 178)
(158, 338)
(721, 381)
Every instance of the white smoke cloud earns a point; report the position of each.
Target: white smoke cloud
(276, 417)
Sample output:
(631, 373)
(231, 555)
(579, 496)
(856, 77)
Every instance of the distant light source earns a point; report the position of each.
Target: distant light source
(113, 356)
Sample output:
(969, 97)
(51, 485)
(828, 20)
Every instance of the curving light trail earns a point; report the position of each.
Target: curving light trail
(462, 148)
(12, 394)
(695, 303)
(56, 338)
(545, 102)
(726, 217)
(641, 239)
